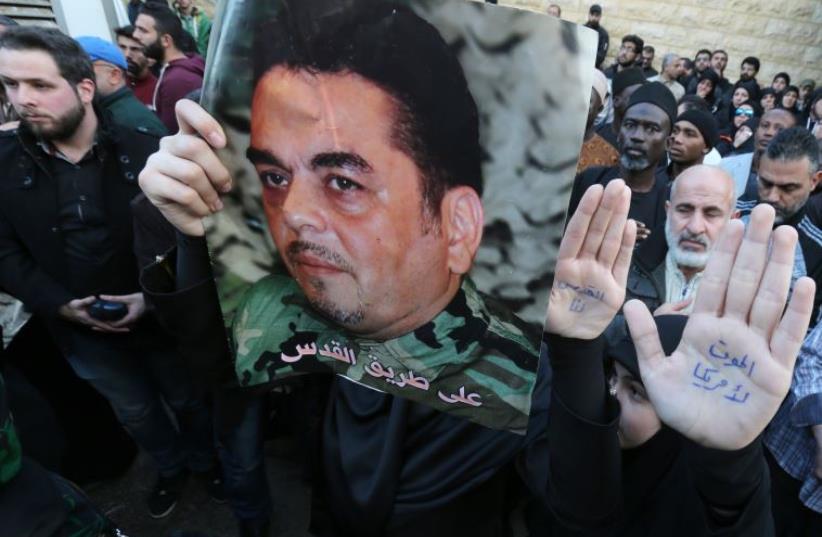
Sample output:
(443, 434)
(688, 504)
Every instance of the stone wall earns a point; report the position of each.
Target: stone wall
(785, 36)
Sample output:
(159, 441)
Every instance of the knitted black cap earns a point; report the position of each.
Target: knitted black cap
(705, 124)
(657, 94)
(625, 78)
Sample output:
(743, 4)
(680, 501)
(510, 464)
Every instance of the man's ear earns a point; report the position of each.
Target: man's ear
(815, 178)
(119, 75)
(667, 205)
(166, 40)
(85, 90)
(463, 220)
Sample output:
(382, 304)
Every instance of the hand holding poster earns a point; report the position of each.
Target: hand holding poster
(389, 162)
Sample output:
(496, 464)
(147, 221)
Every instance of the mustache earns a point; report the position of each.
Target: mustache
(641, 150)
(27, 112)
(695, 237)
(326, 254)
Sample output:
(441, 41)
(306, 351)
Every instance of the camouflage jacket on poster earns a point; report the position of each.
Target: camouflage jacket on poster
(475, 359)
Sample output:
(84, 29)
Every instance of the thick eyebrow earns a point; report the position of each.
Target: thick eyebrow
(338, 159)
(341, 159)
(261, 156)
(767, 181)
(649, 123)
(6, 78)
(711, 208)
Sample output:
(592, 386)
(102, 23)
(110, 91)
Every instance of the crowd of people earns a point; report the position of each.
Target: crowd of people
(676, 388)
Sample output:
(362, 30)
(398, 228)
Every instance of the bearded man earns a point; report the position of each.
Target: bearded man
(66, 251)
(159, 30)
(701, 204)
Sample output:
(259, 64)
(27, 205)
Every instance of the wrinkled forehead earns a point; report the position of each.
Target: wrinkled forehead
(703, 187)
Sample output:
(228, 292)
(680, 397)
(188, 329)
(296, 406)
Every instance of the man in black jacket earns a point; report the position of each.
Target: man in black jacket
(603, 41)
(788, 174)
(66, 244)
(629, 52)
(694, 134)
(643, 134)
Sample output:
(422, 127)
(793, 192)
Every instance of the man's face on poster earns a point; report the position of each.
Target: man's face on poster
(344, 204)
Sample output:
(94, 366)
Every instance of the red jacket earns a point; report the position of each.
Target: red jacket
(144, 88)
(177, 79)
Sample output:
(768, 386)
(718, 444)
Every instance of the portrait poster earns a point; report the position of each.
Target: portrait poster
(373, 141)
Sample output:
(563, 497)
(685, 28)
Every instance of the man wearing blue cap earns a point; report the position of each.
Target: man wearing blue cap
(115, 96)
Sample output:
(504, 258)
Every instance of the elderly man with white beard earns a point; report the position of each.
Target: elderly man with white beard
(666, 271)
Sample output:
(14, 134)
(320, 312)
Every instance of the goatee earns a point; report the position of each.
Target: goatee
(634, 164)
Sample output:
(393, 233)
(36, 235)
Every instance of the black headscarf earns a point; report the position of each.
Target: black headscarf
(711, 75)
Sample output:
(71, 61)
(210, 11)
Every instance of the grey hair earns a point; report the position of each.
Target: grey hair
(668, 58)
(794, 144)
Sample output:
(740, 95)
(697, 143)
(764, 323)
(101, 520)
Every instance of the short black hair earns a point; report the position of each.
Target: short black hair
(437, 121)
(636, 40)
(719, 51)
(125, 31)
(794, 144)
(791, 88)
(166, 22)
(649, 48)
(687, 63)
(702, 51)
(694, 102)
(72, 61)
(784, 76)
(752, 60)
(595, 8)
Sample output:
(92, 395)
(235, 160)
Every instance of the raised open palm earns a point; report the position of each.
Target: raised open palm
(594, 257)
(733, 366)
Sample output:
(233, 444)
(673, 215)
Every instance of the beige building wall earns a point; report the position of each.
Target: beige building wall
(785, 35)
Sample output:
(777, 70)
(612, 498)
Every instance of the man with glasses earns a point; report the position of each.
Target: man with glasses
(627, 56)
(110, 75)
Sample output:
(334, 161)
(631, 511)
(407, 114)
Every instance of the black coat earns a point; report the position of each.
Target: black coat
(32, 260)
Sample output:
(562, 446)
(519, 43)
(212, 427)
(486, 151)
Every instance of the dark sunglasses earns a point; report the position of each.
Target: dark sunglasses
(744, 112)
